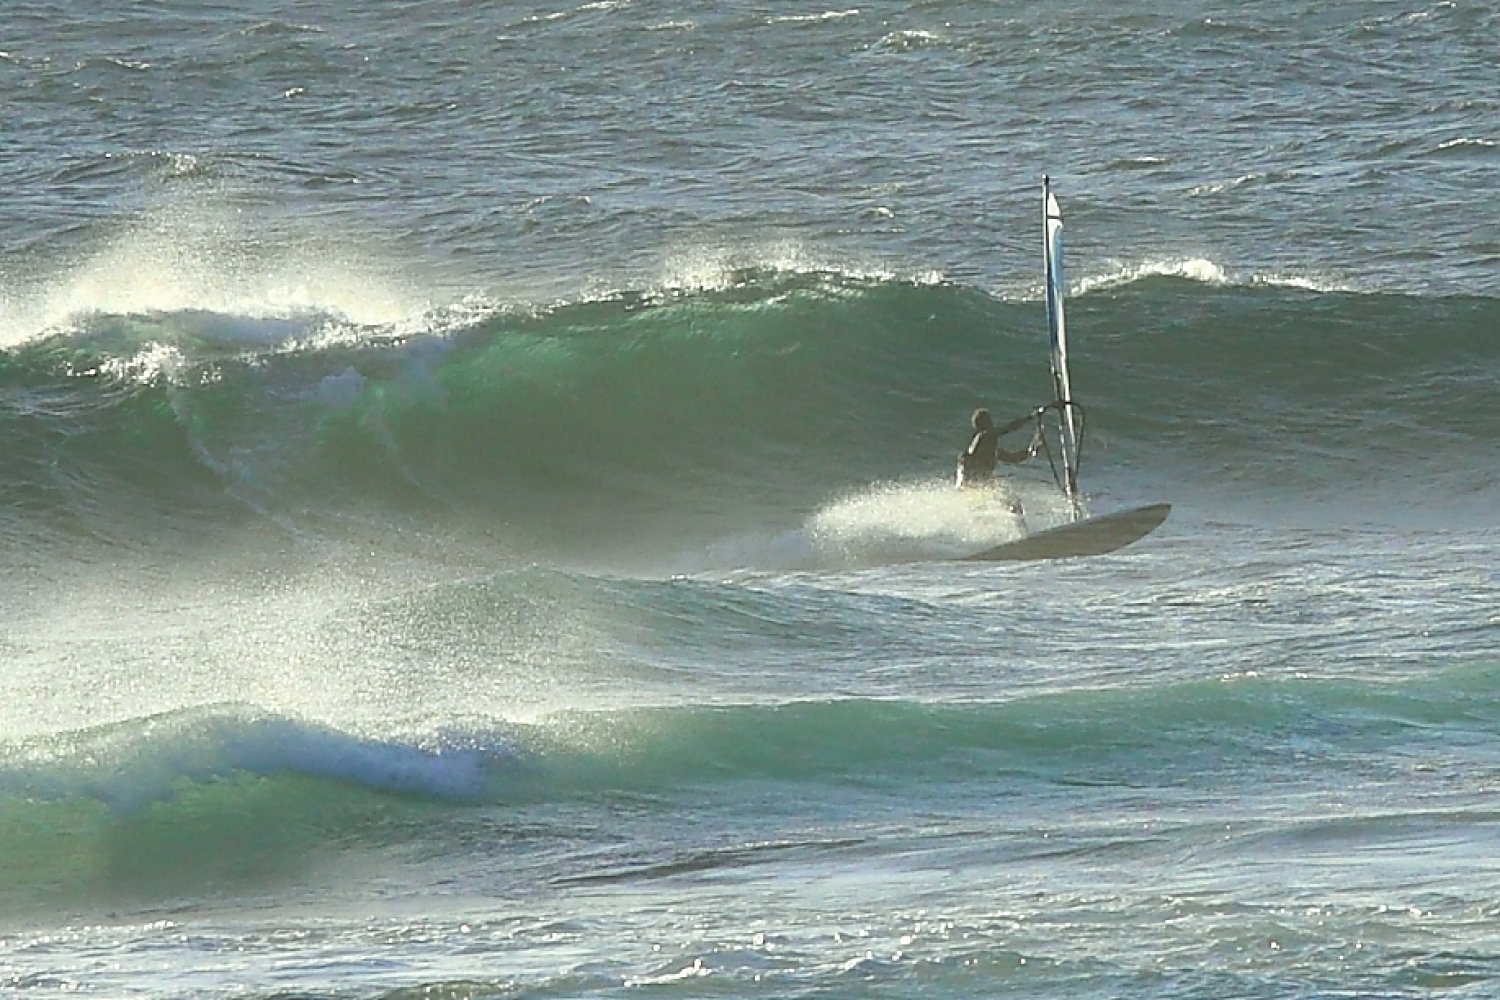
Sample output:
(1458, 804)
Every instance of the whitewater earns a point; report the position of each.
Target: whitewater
(476, 501)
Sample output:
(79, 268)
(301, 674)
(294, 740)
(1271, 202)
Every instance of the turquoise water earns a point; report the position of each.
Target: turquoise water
(477, 514)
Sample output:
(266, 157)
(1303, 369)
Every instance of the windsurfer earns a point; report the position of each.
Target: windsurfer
(976, 466)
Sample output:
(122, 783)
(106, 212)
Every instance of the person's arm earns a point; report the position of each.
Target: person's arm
(1015, 424)
(1013, 457)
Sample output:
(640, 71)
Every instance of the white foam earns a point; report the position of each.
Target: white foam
(909, 39)
(890, 523)
(1217, 187)
(205, 257)
(149, 364)
(1466, 142)
(1205, 271)
(718, 267)
(827, 15)
(919, 519)
(1307, 282)
(1193, 268)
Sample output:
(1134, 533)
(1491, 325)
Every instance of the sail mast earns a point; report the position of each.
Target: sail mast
(1062, 391)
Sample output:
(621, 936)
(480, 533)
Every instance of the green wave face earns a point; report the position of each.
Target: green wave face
(232, 799)
(707, 412)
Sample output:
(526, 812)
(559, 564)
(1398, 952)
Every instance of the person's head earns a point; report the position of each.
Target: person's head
(982, 421)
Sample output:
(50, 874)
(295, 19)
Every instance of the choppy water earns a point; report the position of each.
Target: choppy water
(474, 498)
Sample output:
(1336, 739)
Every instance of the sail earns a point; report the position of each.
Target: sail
(1062, 390)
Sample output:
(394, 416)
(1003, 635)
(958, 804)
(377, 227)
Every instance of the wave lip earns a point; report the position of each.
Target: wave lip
(130, 765)
(1203, 271)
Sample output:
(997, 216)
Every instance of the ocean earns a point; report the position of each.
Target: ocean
(477, 513)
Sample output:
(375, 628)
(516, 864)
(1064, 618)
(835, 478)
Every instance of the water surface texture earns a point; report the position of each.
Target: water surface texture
(476, 508)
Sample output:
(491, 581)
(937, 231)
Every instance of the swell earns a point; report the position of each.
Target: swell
(733, 405)
(1127, 733)
(150, 802)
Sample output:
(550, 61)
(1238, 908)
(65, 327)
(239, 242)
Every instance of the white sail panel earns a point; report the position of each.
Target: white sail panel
(1061, 385)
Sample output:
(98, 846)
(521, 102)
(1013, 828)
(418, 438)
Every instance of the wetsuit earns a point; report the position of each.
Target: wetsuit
(976, 466)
